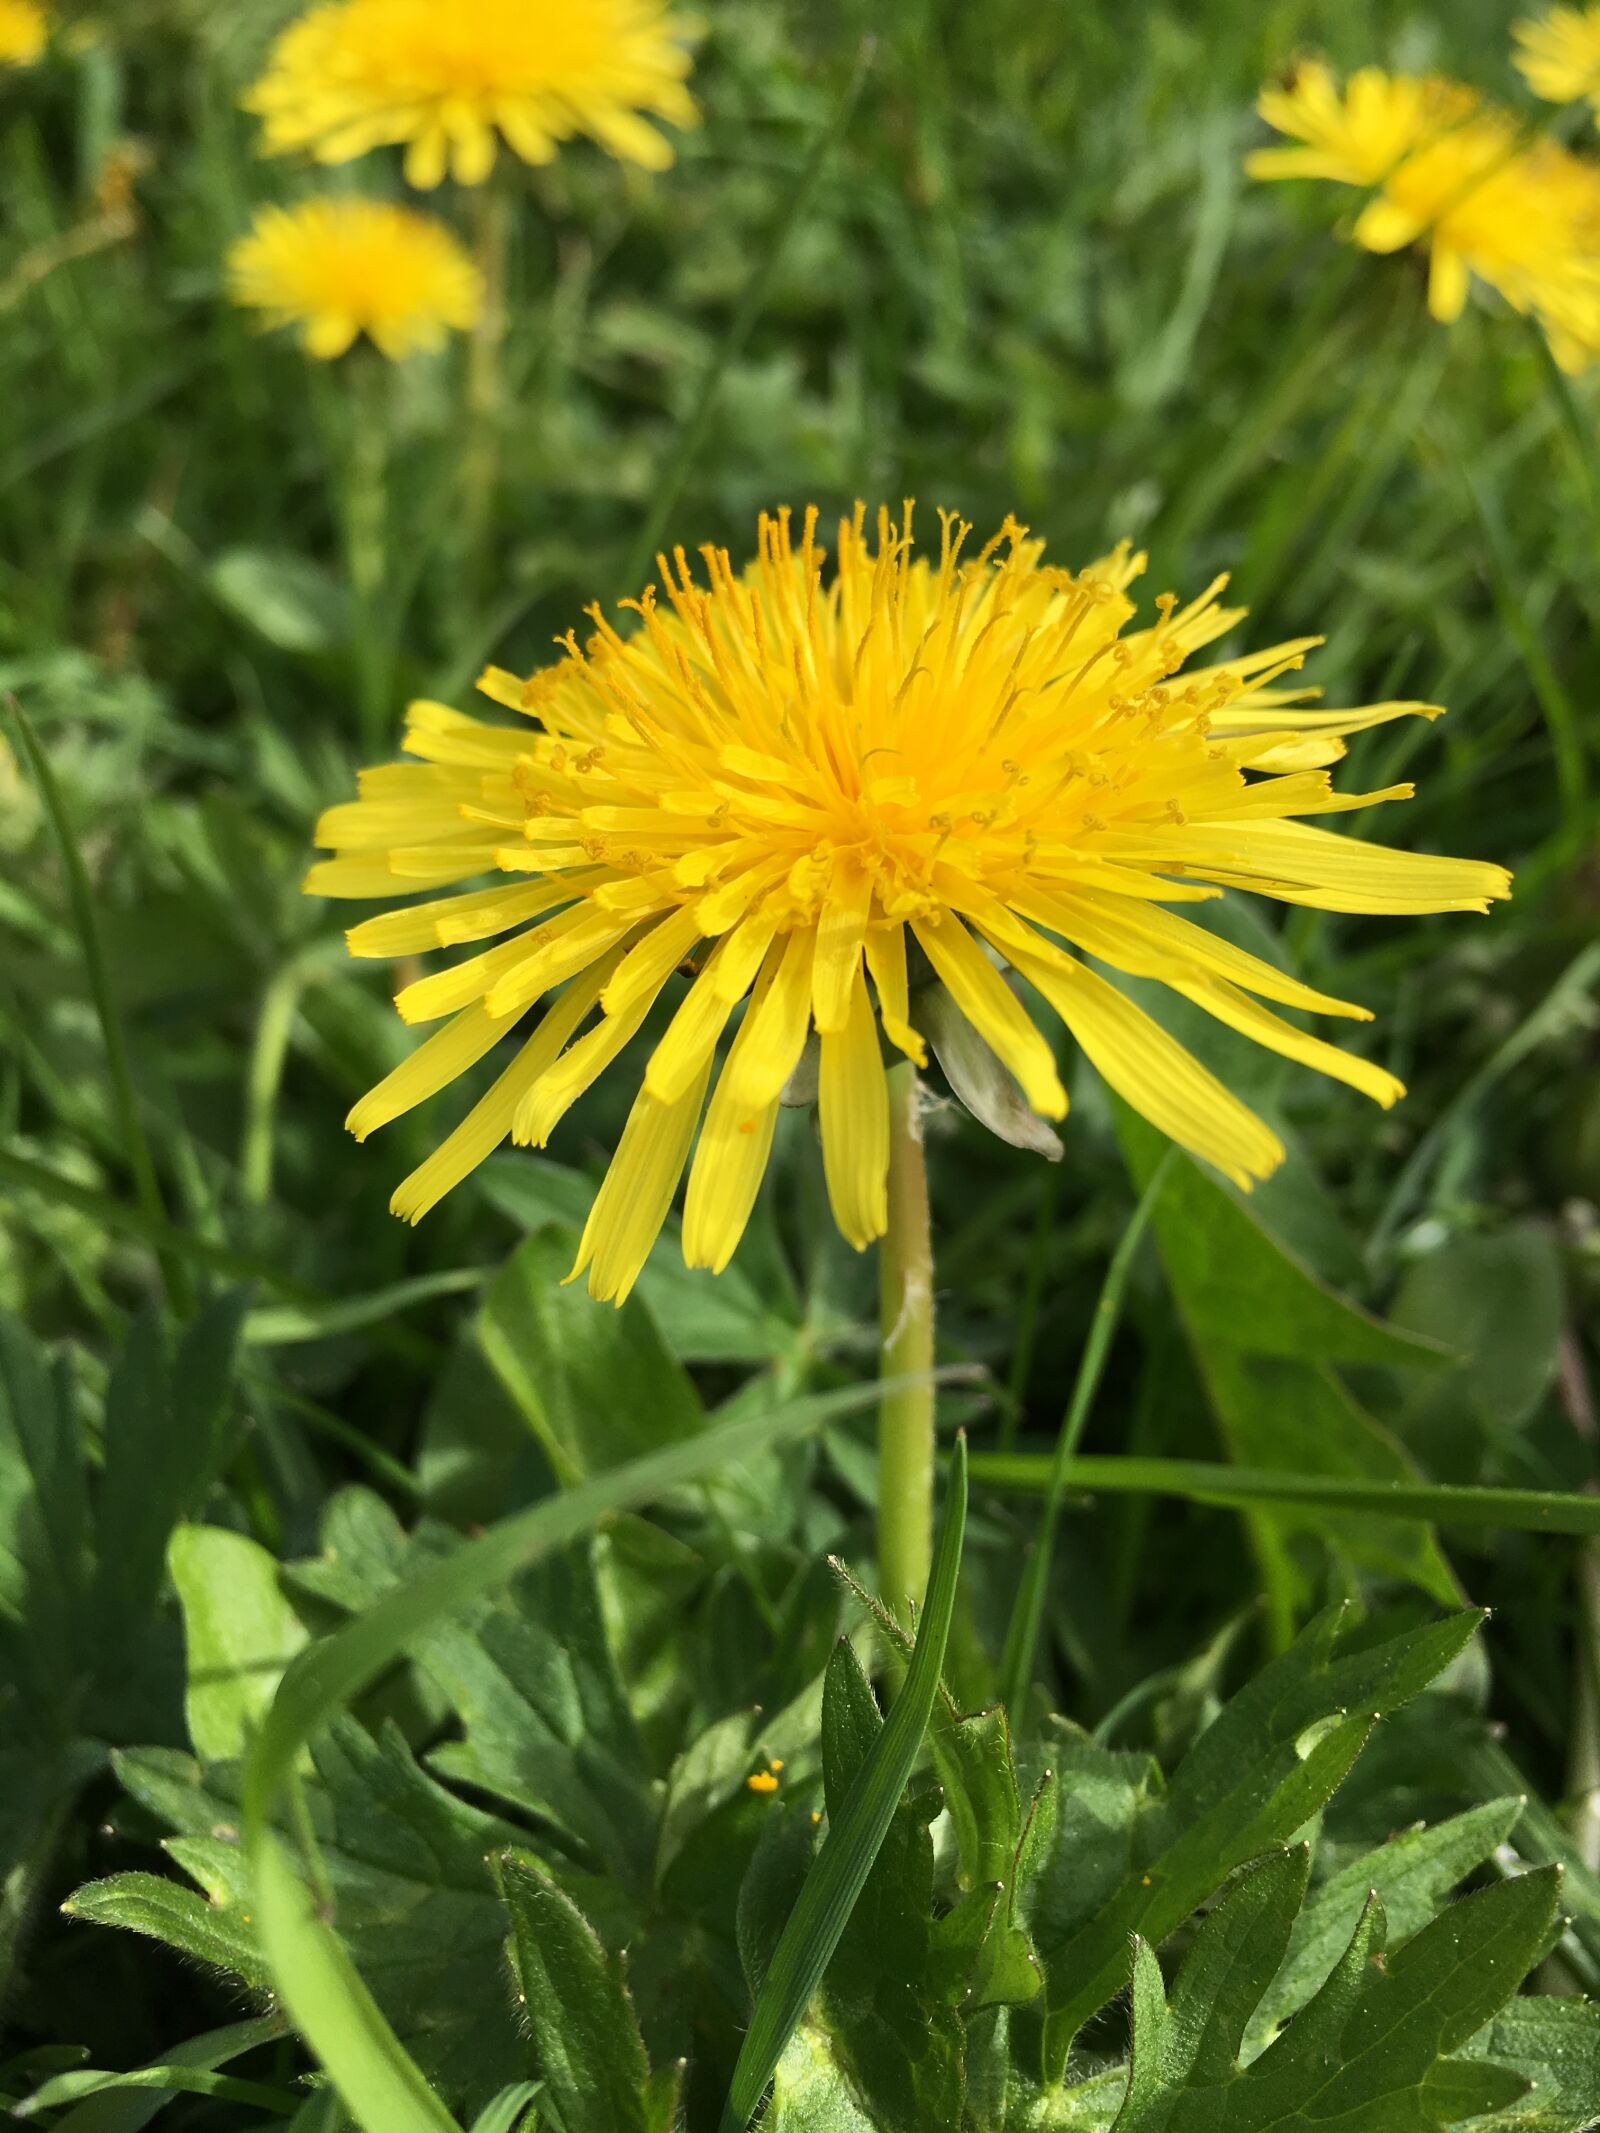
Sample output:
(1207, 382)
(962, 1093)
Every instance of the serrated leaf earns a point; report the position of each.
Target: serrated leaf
(1554, 2044)
(406, 1868)
(591, 2056)
(1371, 2053)
(1412, 1874)
(1254, 1778)
(169, 1912)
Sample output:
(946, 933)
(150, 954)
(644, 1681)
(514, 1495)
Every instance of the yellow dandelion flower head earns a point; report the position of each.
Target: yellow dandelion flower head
(449, 83)
(1446, 171)
(811, 792)
(1358, 134)
(1559, 54)
(342, 267)
(23, 32)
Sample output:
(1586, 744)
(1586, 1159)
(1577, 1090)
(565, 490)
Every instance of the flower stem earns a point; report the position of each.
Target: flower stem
(905, 1416)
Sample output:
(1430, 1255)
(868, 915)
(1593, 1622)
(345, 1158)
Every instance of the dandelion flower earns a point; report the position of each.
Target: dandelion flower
(1560, 55)
(449, 82)
(1446, 171)
(1357, 135)
(805, 790)
(23, 31)
(339, 268)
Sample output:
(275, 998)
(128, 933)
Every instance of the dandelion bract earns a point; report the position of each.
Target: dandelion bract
(801, 786)
(343, 267)
(450, 83)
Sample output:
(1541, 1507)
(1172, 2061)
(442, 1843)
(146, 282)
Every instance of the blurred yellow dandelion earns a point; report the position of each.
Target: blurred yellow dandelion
(338, 268)
(23, 31)
(1447, 171)
(798, 786)
(448, 83)
(1559, 54)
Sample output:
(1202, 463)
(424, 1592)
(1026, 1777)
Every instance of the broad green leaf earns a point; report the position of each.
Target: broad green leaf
(1254, 1778)
(240, 1633)
(585, 2037)
(45, 1560)
(855, 1834)
(290, 600)
(529, 1673)
(595, 1387)
(1237, 1283)
(1498, 1296)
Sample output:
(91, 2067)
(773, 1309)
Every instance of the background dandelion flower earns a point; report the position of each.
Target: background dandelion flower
(339, 268)
(1450, 173)
(1559, 54)
(449, 83)
(801, 784)
(23, 32)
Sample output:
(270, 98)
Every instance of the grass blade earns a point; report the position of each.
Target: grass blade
(840, 1869)
(135, 1146)
(1241, 1487)
(379, 2083)
(1022, 1634)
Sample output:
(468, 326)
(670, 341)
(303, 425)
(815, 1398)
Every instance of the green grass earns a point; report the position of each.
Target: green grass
(1001, 259)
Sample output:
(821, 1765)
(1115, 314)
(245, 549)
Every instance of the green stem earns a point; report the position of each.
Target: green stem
(905, 1415)
(1022, 1637)
(135, 1147)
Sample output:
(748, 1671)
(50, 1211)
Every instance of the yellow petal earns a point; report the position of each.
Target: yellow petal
(1154, 1073)
(994, 1010)
(635, 1197)
(841, 929)
(652, 960)
(489, 1121)
(690, 1037)
(729, 1163)
(853, 1102)
(1251, 1020)
(775, 1026)
(886, 959)
(439, 1060)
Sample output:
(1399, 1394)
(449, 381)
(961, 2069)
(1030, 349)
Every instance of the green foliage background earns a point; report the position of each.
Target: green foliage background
(1030, 277)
